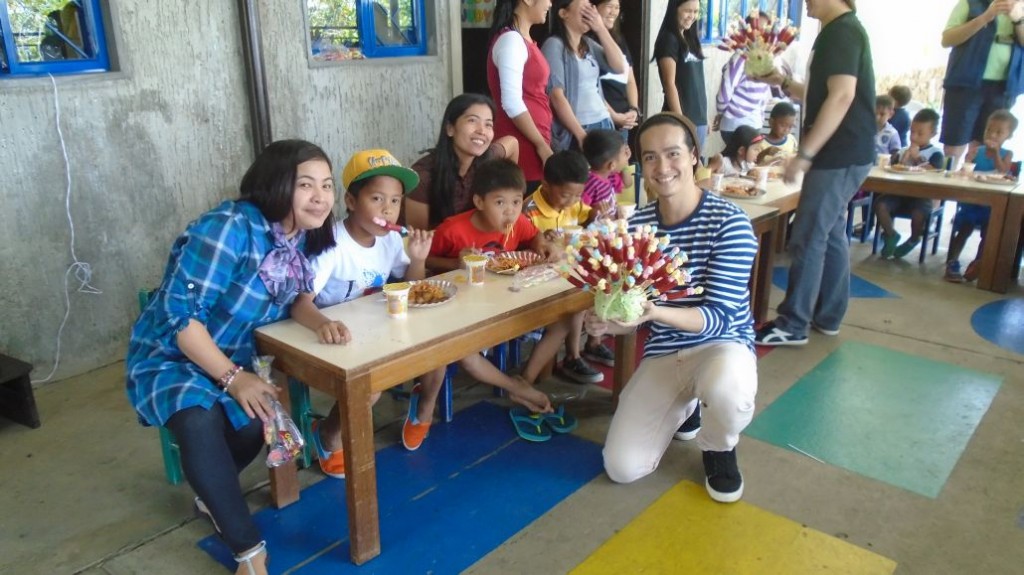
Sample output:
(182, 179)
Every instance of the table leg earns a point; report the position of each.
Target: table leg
(284, 479)
(625, 362)
(1007, 257)
(360, 467)
(993, 243)
(761, 278)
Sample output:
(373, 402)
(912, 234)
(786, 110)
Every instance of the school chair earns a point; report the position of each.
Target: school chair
(932, 231)
(865, 202)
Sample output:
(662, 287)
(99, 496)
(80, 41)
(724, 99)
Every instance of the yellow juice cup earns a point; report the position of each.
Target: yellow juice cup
(475, 266)
(397, 296)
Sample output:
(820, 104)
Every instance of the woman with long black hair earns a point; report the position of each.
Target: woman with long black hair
(577, 62)
(620, 90)
(681, 64)
(517, 76)
(446, 172)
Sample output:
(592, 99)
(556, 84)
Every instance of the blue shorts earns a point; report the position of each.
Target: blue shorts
(905, 205)
(965, 111)
(971, 215)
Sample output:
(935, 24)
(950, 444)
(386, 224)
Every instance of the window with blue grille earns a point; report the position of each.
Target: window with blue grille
(356, 29)
(40, 37)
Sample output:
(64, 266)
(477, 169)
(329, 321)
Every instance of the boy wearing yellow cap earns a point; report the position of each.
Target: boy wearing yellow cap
(367, 256)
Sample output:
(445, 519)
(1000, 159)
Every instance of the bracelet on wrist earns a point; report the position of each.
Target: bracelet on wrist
(229, 376)
(804, 156)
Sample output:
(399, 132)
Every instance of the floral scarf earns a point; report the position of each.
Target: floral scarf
(285, 271)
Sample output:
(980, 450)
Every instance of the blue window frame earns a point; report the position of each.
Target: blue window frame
(717, 14)
(39, 37)
(355, 29)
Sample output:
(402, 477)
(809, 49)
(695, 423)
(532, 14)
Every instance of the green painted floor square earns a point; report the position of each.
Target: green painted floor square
(891, 416)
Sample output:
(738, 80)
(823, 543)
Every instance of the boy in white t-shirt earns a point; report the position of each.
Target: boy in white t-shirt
(367, 256)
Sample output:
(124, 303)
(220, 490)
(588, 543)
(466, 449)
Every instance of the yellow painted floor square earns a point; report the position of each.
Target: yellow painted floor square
(686, 532)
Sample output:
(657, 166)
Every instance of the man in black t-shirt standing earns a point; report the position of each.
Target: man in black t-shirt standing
(836, 152)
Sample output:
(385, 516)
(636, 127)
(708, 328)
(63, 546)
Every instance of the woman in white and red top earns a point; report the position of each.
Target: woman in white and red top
(517, 75)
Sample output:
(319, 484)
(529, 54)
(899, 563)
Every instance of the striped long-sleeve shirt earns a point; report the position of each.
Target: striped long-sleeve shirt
(740, 100)
(719, 241)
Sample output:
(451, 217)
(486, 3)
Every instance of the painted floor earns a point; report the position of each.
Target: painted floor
(86, 494)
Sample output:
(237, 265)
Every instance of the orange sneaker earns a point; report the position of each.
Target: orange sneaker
(332, 463)
(414, 432)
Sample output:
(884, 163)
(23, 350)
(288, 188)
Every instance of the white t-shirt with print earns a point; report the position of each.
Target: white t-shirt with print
(349, 270)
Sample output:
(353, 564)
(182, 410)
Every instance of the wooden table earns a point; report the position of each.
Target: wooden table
(387, 352)
(781, 196)
(994, 274)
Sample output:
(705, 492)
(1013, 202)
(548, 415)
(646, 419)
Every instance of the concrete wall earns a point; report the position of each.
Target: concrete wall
(164, 139)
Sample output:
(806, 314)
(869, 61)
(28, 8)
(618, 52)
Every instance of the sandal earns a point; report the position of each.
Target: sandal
(529, 426)
(247, 557)
(559, 421)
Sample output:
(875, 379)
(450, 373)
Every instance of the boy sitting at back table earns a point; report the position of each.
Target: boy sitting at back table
(990, 157)
(608, 156)
(887, 139)
(365, 257)
(901, 96)
(920, 152)
(555, 205)
(780, 123)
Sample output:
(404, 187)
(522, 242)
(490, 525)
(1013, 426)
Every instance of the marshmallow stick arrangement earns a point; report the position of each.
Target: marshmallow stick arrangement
(626, 269)
(759, 42)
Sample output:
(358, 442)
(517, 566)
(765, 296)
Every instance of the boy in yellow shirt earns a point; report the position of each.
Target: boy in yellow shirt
(556, 205)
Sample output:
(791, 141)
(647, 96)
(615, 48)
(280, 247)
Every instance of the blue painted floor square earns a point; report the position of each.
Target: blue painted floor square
(859, 287)
(471, 486)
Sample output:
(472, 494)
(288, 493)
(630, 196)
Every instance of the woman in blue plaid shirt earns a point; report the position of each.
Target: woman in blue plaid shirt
(235, 268)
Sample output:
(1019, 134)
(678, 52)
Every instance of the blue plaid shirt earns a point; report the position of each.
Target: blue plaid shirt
(211, 277)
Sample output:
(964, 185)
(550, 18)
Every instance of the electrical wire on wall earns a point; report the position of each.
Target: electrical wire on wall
(82, 270)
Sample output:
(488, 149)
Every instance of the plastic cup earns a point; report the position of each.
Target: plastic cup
(625, 210)
(969, 168)
(475, 265)
(761, 176)
(716, 183)
(883, 160)
(397, 296)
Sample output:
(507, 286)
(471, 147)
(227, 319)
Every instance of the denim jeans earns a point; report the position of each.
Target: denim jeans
(213, 453)
(819, 251)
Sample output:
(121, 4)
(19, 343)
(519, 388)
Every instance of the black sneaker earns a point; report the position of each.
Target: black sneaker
(688, 430)
(600, 354)
(723, 480)
(771, 335)
(579, 371)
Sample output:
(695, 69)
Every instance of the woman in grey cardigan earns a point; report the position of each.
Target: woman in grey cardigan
(577, 63)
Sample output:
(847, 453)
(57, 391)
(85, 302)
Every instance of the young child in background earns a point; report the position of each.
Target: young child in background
(900, 120)
(366, 257)
(608, 158)
(989, 157)
(781, 123)
(920, 152)
(556, 204)
(887, 140)
(740, 153)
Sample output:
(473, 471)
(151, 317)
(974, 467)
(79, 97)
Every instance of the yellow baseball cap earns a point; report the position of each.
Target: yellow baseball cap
(370, 163)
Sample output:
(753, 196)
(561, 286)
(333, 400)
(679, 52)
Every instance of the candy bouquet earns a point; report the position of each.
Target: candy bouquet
(626, 269)
(759, 42)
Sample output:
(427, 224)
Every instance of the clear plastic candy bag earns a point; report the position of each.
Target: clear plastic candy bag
(283, 438)
(534, 275)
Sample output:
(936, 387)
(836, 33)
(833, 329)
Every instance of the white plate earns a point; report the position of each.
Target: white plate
(911, 171)
(449, 288)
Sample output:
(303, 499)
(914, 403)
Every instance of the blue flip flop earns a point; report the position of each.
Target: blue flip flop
(529, 426)
(560, 421)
